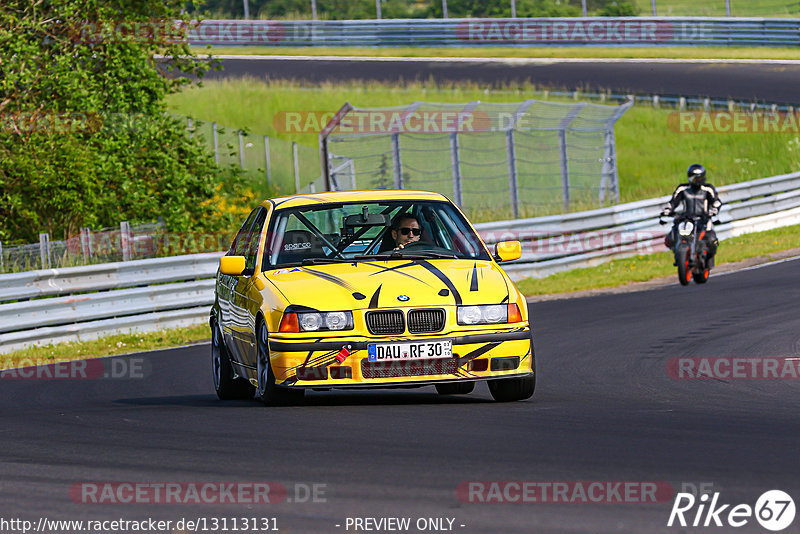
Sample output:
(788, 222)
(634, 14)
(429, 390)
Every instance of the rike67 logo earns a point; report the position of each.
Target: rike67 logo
(774, 510)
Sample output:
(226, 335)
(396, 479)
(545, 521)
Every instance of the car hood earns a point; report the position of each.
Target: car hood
(394, 283)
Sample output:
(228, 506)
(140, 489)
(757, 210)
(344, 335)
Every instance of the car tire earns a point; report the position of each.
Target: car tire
(515, 389)
(227, 386)
(455, 388)
(269, 392)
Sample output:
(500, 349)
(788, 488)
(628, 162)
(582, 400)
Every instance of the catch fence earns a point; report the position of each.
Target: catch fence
(494, 160)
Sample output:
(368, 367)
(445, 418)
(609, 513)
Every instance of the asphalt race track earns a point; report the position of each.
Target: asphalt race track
(605, 410)
(747, 81)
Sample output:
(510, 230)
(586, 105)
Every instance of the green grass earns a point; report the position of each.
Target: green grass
(648, 267)
(716, 8)
(105, 346)
(678, 52)
(652, 157)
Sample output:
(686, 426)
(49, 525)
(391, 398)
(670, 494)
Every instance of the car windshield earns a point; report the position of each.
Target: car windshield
(370, 230)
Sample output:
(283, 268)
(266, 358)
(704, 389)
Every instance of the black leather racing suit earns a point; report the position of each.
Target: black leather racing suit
(697, 200)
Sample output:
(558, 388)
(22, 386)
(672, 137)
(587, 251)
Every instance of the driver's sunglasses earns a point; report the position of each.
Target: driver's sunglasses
(406, 230)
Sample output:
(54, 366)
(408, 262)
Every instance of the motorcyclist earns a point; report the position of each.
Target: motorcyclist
(699, 199)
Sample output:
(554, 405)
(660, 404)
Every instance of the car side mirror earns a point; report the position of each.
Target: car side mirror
(232, 265)
(507, 251)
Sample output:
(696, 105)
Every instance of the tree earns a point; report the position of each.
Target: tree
(85, 139)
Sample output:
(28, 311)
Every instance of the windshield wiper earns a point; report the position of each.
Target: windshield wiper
(319, 261)
(422, 255)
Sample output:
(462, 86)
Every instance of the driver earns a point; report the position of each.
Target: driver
(405, 229)
(699, 199)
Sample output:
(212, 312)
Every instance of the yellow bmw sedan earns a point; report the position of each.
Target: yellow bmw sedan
(367, 289)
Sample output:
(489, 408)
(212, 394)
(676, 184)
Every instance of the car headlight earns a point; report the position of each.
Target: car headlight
(316, 321)
(488, 314)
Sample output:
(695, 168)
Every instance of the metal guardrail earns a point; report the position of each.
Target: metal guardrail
(563, 242)
(623, 31)
(49, 282)
(178, 291)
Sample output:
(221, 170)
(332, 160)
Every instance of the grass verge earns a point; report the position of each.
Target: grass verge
(674, 52)
(105, 346)
(651, 266)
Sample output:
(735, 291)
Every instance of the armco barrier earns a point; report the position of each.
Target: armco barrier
(169, 292)
(598, 31)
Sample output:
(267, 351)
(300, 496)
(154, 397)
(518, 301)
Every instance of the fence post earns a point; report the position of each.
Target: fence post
(378, 9)
(86, 245)
(562, 150)
(216, 142)
(397, 165)
(564, 165)
(266, 159)
(44, 250)
(727, 8)
(512, 173)
(610, 178)
(444, 9)
(296, 168)
(125, 240)
(654, 7)
(513, 9)
(241, 150)
(2, 265)
(455, 165)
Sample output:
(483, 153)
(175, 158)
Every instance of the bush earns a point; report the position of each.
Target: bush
(84, 135)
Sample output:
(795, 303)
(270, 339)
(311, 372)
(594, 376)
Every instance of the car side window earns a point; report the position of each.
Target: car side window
(251, 252)
(239, 245)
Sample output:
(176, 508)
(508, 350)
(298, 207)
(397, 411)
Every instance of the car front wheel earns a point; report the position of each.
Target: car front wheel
(270, 393)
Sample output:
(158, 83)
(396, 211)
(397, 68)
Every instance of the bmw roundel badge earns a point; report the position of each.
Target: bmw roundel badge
(403, 298)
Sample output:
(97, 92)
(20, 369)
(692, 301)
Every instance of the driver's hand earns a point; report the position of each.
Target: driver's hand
(713, 211)
(401, 246)
(666, 212)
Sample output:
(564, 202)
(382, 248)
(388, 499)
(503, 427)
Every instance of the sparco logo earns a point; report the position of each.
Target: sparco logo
(774, 510)
(296, 246)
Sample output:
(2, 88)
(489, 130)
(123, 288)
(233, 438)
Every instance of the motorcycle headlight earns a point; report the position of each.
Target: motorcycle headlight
(487, 314)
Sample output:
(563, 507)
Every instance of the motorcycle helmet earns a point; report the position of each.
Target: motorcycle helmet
(696, 174)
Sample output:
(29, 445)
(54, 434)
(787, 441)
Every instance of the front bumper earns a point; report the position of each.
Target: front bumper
(477, 355)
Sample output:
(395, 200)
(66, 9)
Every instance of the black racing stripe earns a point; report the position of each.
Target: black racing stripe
(473, 286)
(373, 302)
(441, 276)
(396, 269)
(480, 351)
(505, 299)
(330, 278)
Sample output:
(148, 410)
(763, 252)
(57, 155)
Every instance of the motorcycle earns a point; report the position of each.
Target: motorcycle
(691, 252)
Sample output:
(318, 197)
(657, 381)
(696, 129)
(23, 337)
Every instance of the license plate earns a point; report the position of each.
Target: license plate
(385, 352)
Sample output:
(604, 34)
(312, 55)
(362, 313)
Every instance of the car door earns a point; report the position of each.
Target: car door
(249, 292)
(231, 313)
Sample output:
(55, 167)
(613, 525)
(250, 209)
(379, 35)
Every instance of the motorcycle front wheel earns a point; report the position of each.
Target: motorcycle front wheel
(682, 259)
